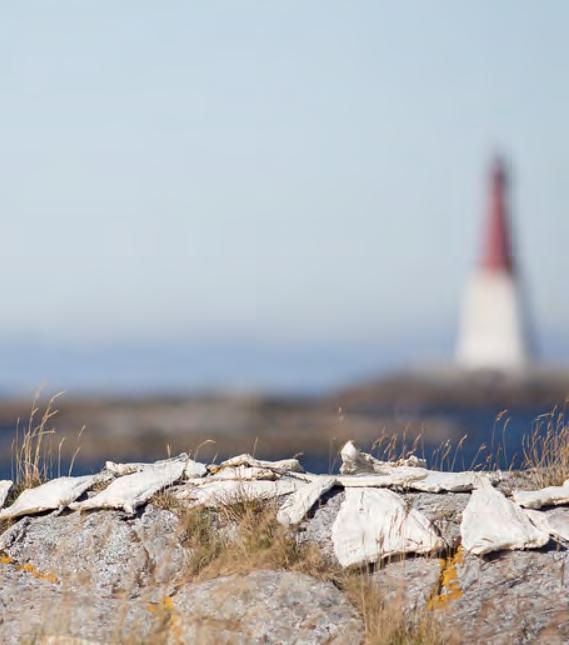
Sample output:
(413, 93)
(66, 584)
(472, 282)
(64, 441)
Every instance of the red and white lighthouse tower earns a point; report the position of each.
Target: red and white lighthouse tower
(492, 333)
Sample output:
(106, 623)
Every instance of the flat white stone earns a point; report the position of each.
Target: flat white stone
(135, 467)
(55, 494)
(242, 473)
(558, 525)
(539, 519)
(439, 481)
(550, 496)
(304, 476)
(300, 502)
(490, 522)
(355, 461)
(214, 493)
(193, 468)
(376, 524)
(552, 522)
(133, 490)
(282, 466)
(402, 476)
(5, 486)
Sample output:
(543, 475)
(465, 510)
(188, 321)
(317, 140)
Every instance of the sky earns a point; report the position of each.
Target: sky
(283, 193)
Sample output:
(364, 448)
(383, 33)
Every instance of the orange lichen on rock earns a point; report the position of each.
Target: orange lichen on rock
(48, 576)
(449, 586)
(166, 610)
(166, 604)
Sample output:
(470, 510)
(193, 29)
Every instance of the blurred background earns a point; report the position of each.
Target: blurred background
(268, 224)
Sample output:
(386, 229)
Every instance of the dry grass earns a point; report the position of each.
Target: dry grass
(546, 450)
(32, 445)
(448, 455)
(31, 451)
(387, 623)
(241, 535)
(36, 452)
(544, 460)
(392, 447)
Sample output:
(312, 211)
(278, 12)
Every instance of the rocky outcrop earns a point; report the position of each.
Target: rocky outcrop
(111, 575)
(32, 610)
(266, 607)
(514, 597)
(261, 607)
(105, 553)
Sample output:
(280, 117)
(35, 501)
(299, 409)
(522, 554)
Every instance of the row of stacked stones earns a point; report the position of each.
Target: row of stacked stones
(373, 522)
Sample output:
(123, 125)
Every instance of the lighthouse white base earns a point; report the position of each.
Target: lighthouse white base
(492, 333)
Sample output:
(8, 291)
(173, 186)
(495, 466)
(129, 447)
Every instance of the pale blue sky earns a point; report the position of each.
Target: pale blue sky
(280, 173)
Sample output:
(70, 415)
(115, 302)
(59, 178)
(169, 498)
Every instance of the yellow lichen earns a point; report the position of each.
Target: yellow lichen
(48, 576)
(165, 609)
(166, 604)
(449, 587)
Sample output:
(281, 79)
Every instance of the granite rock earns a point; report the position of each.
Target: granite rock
(266, 607)
(104, 551)
(513, 597)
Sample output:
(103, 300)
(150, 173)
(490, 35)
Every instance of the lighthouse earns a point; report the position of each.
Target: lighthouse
(493, 330)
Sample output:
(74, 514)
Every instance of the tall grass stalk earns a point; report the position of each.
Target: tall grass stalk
(32, 447)
(546, 450)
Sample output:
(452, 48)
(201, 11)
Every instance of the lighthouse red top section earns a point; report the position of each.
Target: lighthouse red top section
(497, 249)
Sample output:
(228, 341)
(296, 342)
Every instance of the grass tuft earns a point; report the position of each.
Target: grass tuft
(36, 452)
(239, 536)
(32, 445)
(546, 450)
(388, 623)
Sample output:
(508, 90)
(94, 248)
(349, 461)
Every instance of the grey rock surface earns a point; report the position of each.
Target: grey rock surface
(514, 597)
(317, 526)
(262, 607)
(104, 551)
(108, 577)
(444, 511)
(409, 583)
(34, 610)
(266, 607)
